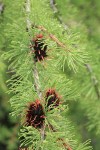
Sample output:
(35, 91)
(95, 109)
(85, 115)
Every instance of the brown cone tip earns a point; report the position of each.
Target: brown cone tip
(52, 99)
(35, 115)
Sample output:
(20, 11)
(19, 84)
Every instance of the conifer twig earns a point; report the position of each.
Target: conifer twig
(53, 37)
(1, 8)
(53, 6)
(93, 79)
(35, 71)
(52, 3)
(36, 81)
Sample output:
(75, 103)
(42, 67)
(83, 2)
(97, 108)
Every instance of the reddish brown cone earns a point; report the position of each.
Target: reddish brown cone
(39, 48)
(52, 99)
(35, 115)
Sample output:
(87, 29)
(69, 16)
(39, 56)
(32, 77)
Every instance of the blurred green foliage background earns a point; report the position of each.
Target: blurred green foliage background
(8, 126)
(81, 16)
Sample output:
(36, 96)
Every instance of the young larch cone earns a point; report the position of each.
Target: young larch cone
(35, 115)
(39, 48)
(52, 99)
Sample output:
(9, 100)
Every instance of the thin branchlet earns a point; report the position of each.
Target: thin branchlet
(55, 10)
(93, 79)
(1, 8)
(51, 36)
(35, 71)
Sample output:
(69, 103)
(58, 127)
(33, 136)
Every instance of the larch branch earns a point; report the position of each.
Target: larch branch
(35, 70)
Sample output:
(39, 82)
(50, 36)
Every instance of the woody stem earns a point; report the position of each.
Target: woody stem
(35, 70)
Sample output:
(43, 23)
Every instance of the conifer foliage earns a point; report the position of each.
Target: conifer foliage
(38, 57)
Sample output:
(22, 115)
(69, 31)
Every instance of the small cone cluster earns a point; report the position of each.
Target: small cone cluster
(35, 115)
